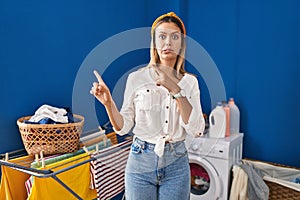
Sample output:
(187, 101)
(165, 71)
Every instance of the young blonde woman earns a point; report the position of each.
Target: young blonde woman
(161, 106)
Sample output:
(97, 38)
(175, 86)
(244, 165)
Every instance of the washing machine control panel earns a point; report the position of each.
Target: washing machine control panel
(218, 148)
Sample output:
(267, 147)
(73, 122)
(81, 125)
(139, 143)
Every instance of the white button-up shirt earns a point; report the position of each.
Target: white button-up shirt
(153, 113)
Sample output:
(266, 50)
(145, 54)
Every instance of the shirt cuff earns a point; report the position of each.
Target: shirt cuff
(195, 126)
(126, 127)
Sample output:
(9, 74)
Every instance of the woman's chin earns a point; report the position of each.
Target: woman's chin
(168, 56)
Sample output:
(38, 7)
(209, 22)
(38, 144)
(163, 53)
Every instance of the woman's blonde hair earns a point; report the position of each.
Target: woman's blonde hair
(154, 58)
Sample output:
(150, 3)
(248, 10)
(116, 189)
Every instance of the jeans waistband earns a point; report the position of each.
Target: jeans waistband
(151, 146)
(144, 144)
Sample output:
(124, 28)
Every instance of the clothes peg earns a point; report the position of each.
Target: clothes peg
(37, 159)
(101, 130)
(86, 150)
(6, 157)
(97, 148)
(105, 141)
(42, 158)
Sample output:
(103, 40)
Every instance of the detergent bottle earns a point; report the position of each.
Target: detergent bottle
(234, 117)
(217, 122)
(228, 120)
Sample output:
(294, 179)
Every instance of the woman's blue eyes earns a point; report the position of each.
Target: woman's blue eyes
(162, 37)
(173, 36)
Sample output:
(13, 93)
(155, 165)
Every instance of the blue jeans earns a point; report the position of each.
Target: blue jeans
(149, 177)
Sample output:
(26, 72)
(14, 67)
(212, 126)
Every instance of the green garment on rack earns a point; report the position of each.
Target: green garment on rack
(55, 159)
(13, 181)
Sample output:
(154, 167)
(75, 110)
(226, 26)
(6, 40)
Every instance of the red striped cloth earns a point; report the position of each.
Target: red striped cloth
(108, 171)
(28, 185)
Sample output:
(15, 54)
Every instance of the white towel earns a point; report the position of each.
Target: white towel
(46, 111)
(239, 186)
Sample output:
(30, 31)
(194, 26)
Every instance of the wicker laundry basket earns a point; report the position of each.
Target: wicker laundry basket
(51, 138)
(281, 192)
(278, 191)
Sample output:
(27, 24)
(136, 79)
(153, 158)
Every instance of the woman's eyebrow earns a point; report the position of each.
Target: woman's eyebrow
(161, 31)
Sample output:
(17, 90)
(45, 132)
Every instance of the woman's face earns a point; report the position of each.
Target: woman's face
(168, 40)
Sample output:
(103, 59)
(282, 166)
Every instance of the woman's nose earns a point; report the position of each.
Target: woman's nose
(168, 41)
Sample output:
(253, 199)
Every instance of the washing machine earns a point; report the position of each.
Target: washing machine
(211, 161)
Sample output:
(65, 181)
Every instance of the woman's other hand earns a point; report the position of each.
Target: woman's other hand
(164, 79)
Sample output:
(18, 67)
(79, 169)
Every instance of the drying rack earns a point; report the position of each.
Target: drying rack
(53, 174)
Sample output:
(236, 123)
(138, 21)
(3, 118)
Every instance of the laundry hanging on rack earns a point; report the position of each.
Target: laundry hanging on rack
(73, 173)
(108, 171)
(12, 181)
(78, 179)
(29, 184)
(57, 160)
(59, 157)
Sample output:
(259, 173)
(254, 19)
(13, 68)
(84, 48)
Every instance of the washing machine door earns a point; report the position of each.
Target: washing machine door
(206, 183)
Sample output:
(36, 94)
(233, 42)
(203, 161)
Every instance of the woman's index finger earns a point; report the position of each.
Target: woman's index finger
(100, 80)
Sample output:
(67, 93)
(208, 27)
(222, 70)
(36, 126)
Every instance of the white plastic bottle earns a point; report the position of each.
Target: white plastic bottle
(217, 122)
(234, 117)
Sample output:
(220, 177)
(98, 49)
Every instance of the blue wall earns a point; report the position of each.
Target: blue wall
(255, 45)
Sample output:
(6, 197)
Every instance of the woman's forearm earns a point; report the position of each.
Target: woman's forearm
(115, 116)
(185, 109)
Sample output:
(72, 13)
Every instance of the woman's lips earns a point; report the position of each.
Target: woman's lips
(168, 51)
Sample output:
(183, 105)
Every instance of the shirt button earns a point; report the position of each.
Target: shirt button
(167, 107)
(166, 121)
(148, 90)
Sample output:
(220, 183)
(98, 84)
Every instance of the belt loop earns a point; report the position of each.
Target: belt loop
(171, 146)
(143, 145)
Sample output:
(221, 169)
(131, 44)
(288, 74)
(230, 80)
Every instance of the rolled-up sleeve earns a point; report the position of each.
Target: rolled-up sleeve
(127, 110)
(196, 123)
